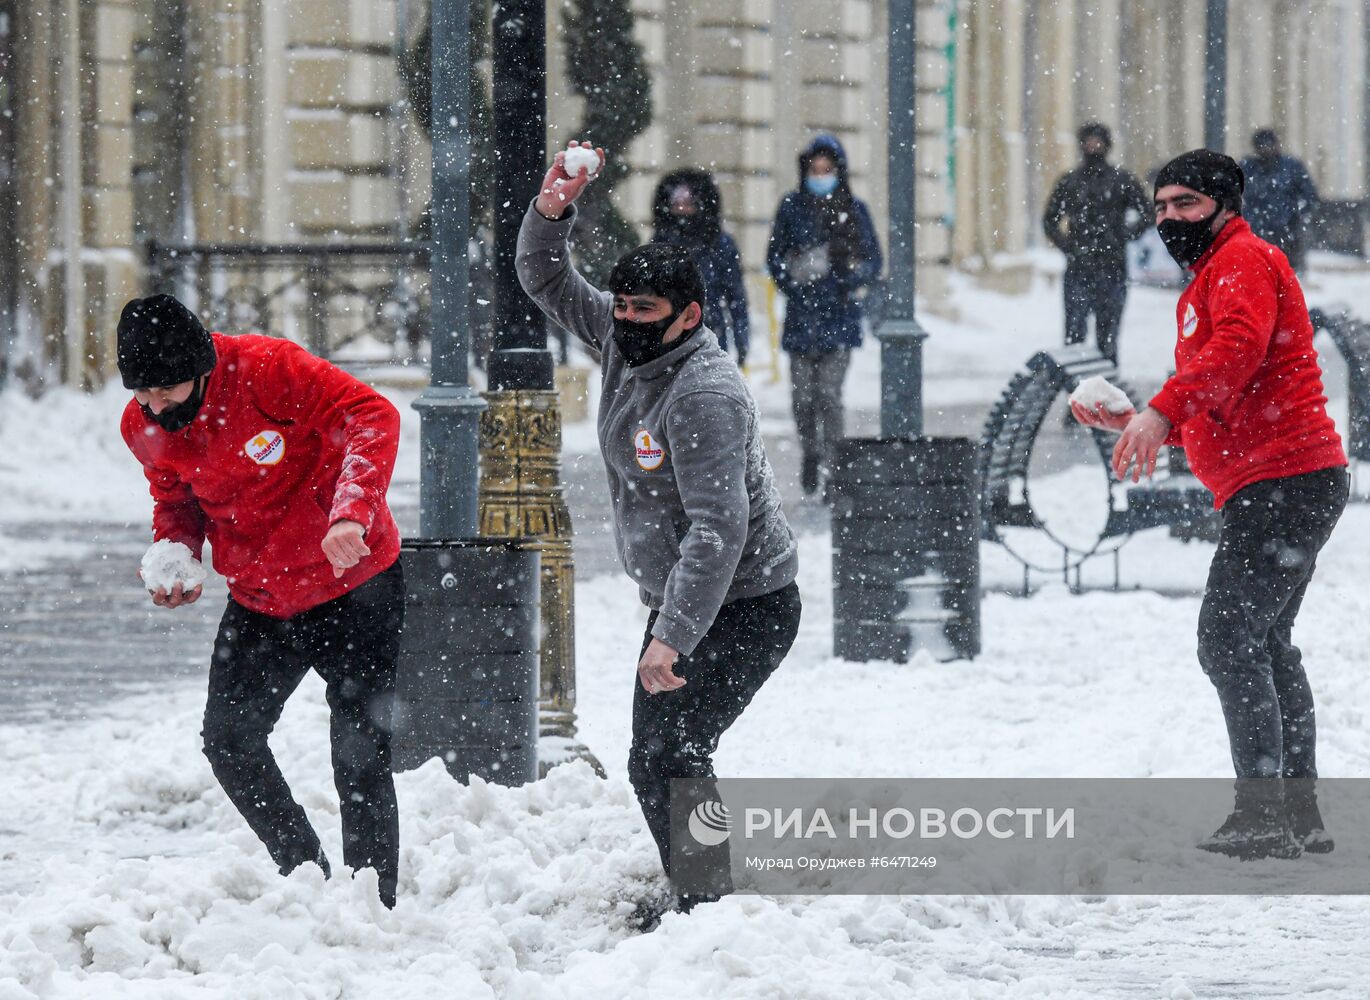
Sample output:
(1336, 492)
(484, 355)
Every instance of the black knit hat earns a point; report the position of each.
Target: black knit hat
(162, 343)
(1207, 172)
(659, 269)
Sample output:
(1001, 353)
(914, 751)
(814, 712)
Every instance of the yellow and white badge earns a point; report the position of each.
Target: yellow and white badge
(649, 452)
(265, 448)
(1191, 321)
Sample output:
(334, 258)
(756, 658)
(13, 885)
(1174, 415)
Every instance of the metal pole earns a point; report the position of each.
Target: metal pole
(520, 360)
(901, 338)
(1215, 76)
(449, 409)
(521, 491)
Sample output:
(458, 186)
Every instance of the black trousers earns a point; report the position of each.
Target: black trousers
(1102, 292)
(1271, 534)
(675, 733)
(352, 642)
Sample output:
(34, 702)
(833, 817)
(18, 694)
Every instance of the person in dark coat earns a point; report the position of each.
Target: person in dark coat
(1093, 213)
(1279, 195)
(687, 212)
(823, 251)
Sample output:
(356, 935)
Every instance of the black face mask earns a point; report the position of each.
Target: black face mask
(178, 417)
(641, 342)
(1187, 241)
(1095, 159)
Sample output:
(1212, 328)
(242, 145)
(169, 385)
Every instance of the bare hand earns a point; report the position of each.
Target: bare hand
(177, 596)
(655, 671)
(1100, 417)
(344, 547)
(560, 189)
(1140, 444)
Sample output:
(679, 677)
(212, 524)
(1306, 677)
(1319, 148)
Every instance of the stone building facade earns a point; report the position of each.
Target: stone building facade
(282, 121)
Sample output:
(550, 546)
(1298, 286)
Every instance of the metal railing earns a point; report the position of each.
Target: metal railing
(354, 303)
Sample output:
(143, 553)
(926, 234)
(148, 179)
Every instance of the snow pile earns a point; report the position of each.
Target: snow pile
(128, 874)
(1097, 390)
(167, 563)
(581, 160)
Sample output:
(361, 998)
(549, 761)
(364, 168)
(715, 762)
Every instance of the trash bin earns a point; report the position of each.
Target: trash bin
(467, 684)
(906, 549)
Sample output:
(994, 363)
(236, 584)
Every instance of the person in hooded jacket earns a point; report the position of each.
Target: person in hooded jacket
(1247, 403)
(823, 250)
(687, 212)
(1093, 213)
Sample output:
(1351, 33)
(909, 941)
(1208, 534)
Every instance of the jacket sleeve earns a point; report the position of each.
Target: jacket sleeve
(1138, 202)
(1055, 214)
(1241, 304)
(708, 433)
(176, 513)
(550, 279)
(344, 410)
(737, 296)
(1305, 194)
(778, 249)
(870, 261)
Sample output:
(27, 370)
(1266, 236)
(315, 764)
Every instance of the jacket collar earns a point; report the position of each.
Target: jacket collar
(1235, 226)
(672, 359)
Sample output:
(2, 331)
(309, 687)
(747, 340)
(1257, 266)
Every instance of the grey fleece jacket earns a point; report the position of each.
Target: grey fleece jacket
(697, 515)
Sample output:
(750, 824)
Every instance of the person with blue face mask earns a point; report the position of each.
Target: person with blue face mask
(823, 252)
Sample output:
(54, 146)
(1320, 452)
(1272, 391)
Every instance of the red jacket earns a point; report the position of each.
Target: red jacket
(1246, 399)
(284, 445)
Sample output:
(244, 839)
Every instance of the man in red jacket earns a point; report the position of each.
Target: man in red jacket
(1247, 403)
(281, 461)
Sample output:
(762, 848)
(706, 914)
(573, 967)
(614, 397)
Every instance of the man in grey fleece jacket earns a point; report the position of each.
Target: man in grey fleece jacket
(697, 515)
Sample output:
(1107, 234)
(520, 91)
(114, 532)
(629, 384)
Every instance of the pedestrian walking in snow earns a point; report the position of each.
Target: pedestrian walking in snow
(1093, 213)
(823, 251)
(687, 211)
(1247, 403)
(281, 462)
(1279, 195)
(697, 516)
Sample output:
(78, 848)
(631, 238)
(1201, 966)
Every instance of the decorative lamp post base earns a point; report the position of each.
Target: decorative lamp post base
(521, 497)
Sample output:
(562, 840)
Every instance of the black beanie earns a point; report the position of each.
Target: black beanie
(162, 343)
(1206, 172)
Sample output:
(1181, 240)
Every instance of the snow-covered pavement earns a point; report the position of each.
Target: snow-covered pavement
(128, 874)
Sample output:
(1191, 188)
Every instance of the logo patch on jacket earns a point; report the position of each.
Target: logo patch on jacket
(265, 448)
(1191, 321)
(650, 454)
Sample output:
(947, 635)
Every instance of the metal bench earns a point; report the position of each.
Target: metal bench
(1352, 339)
(1173, 499)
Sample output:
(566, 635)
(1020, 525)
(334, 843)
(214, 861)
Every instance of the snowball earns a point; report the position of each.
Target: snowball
(166, 563)
(581, 159)
(1095, 390)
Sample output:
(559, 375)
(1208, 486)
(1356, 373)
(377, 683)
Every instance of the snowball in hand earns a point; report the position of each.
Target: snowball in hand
(581, 159)
(1095, 390)
(168, 563)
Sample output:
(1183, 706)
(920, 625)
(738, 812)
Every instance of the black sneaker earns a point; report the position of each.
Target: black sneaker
(647, 914)
(808, 474)
(1252, 834)
(1305, 819)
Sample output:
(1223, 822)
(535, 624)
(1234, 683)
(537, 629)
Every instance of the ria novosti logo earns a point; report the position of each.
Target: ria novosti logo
(710, 824)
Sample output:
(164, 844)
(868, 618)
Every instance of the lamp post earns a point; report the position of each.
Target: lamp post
(449, 409)
(1215, 76)
(520, 488)
(901, 338)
